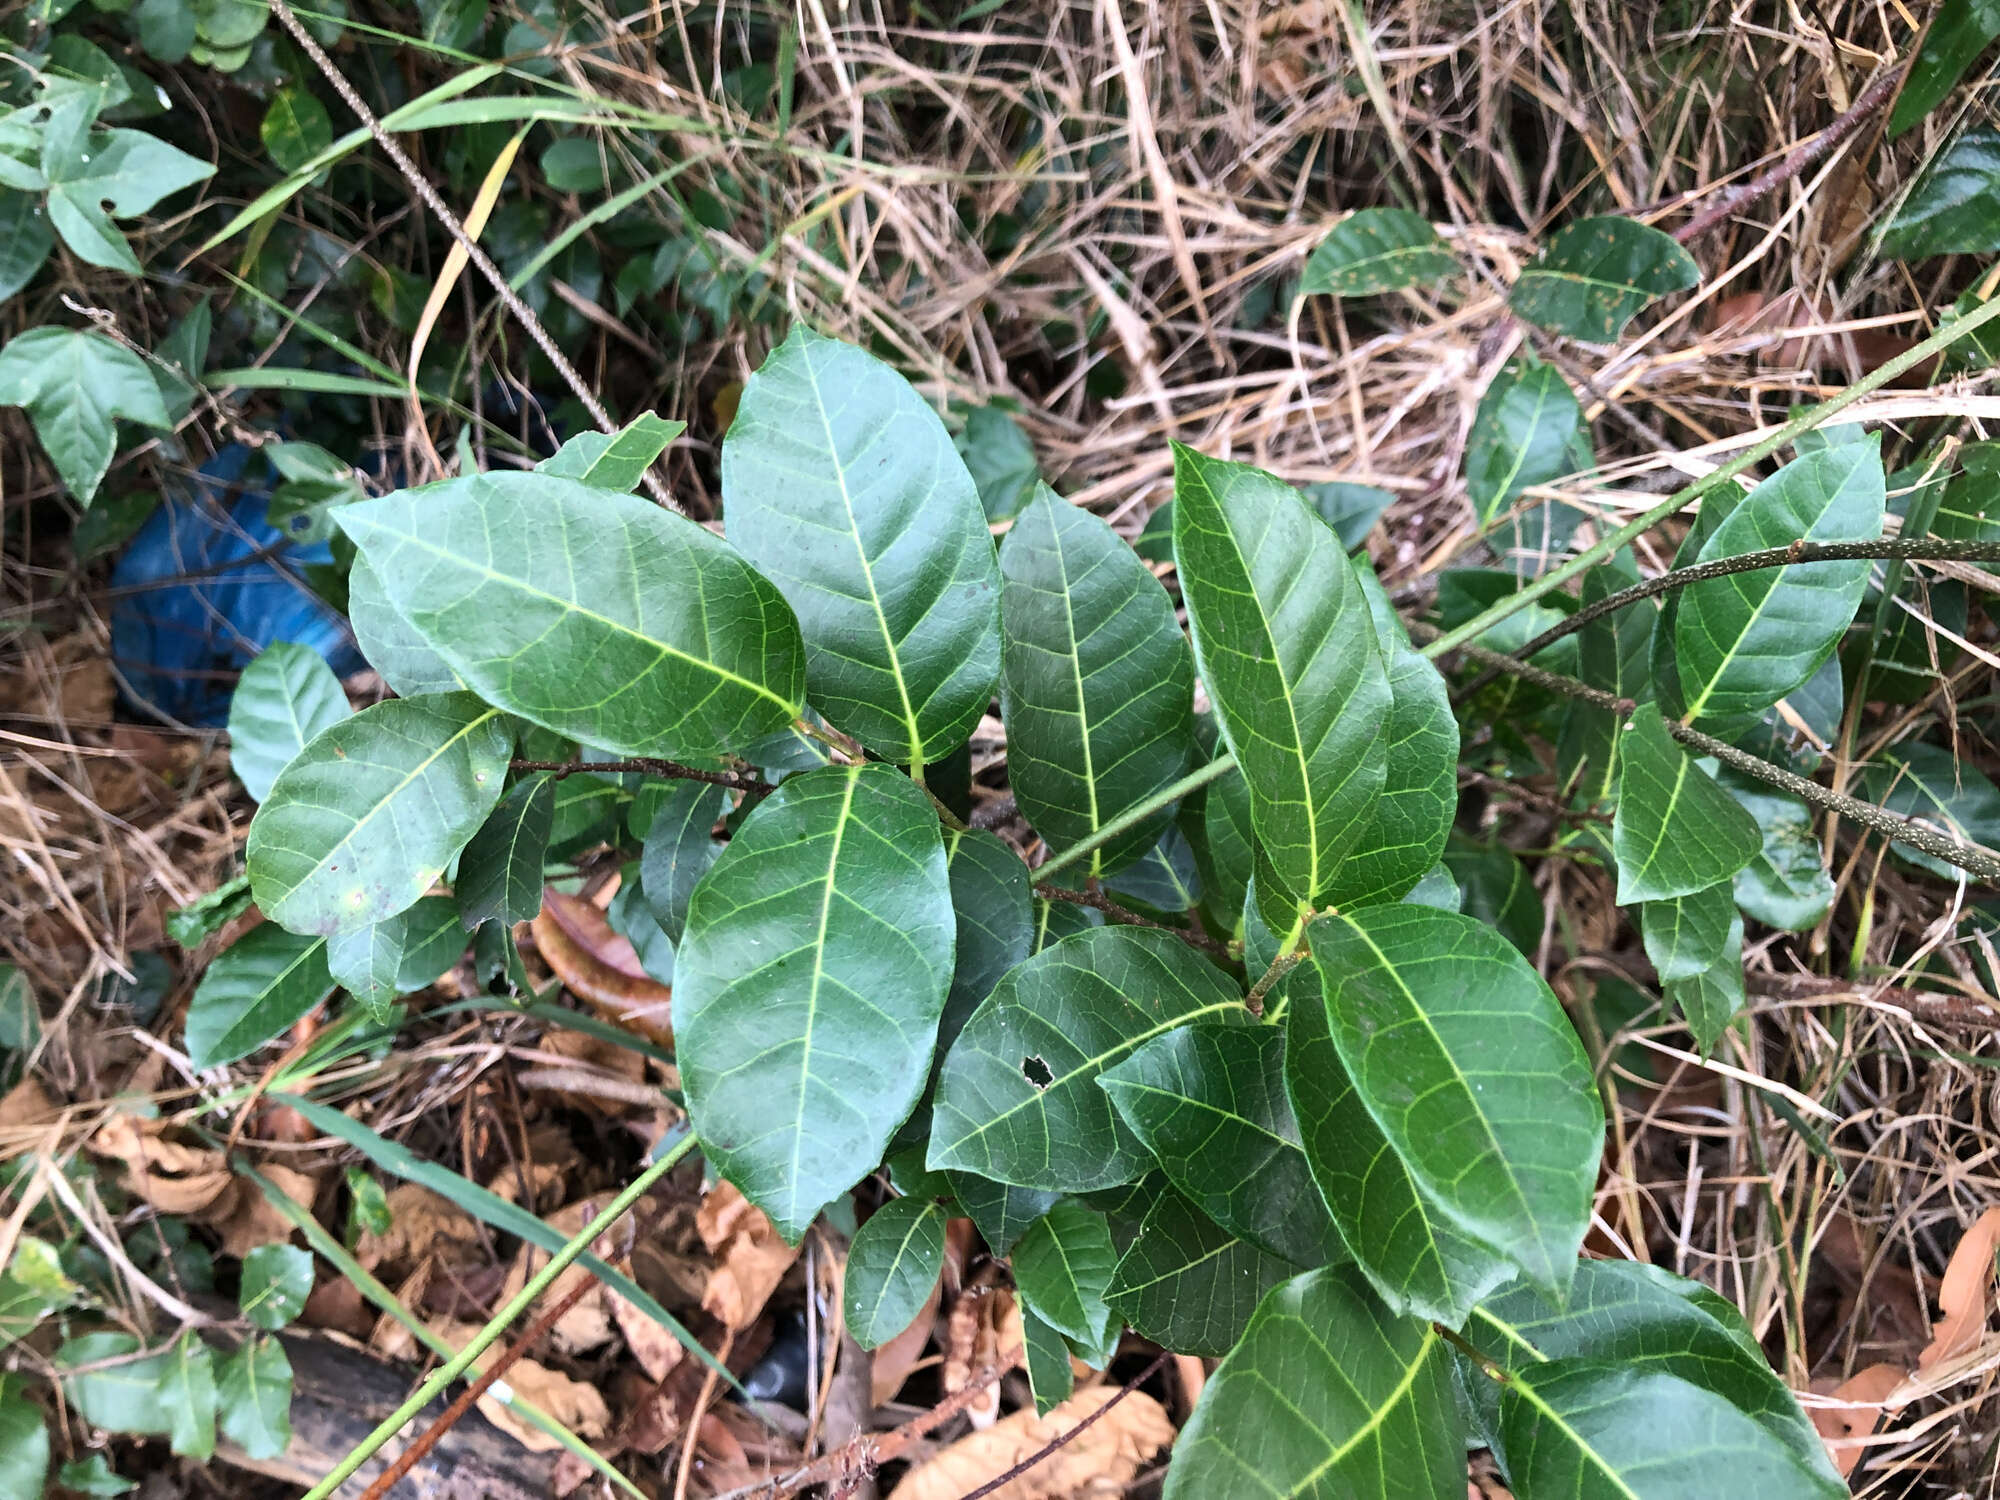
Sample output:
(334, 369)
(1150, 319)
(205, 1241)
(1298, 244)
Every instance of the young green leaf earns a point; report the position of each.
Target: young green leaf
(1601, 1431)
(592, 613)
(680, 846)
(1710, 997)
(277, 1279)
(1287, 649)
(285, 696)
(614, 460)
(1050, 1377)
(296, 128)
(91, 1475)
(394, 647)
(1927, 783)
(24, 1442)
(1189, 1284)
(809, 983)
(1097, 686)
(1367, 1409)
(1350, 509)
(500, 870)
(1787, 885)
(368, 815)
(1377, 250)
(1959, 31)
(1463, 1058)
(895, 1261)
(1062, 1266)
(1018, 1099)
(1686, 934)
(1596, 273)
(1000, 460)
(1000, 1212)
(1209, 1102)
(1955, 207)
(254, 1397)
(1744, 641)
(113, 1390)
(842, 485)
(74, 383)
(187, 1397)
(1523, 433)
(255, 989)
(1675, 832)
(94, 175)
(995, 922)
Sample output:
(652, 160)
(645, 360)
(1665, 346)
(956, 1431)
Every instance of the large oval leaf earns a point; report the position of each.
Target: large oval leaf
(592, 613)
(1377, 250)
(1209, 1103)
(394, 647)
(256, 988)
(1955, 206)
(377, 963)
(895, 1262)
(808, 985)
(1288, 652)
(284, 697)
(1366, 1409)
(1189, 1284)
(1018, 1099)
(1675, 832)
(368, 815)
(841, 484)
(1097, 686)
(1596, 273)
(1743, 641)
(1463, 1058)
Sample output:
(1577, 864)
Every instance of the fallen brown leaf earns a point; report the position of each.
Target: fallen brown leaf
(750, 1258)
(1861, 1414)
(1962, 1294)
(1101, 1461)
(248, 1219)
(421, 1224)
(25, 1106)
(172, 1177)
(598, 966)
(577, 1406)
(982, 1323)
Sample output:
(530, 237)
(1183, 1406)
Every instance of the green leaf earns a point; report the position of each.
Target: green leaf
(1955, 207)
(1786, 885)
(1596, 273)
(1051, 1380)
(296, 128)
(500, 872)
(1959, 32)
(1018, 1099)
(1465, 1062)
(124, 1396)
(1350, 509)
(1209, 1102)
(277, 1279)
(285, 696)
(1686, 934)
(187, 1397)
(1710, 998)
(841, 484)
(1097, 685)
(592, 613)
(368, 815)
(1226, 852)
(24, 1442)
(895, 1261)
(1523, 434)
(20, 1017)
(1969, 508)
(1377, 250)
(1189, 1284)
(679, 848)
(1062, 1266)
(397, 955)
(1925, 783)
(995, 921)
(94, 175)
(254, 990)
(254, 1390)
(1286, 647)
(25, 240)
(1001, 461)
(809, 983)
(1163, 878)
(1744, 641)
(1676, 831)
(614, 460)
(1494, 888)
(73, 383)
(1000, 1212)
(1365, 1404)
(394, 647)
(1648, 1319)
(1591, 1429)
(91, 1475)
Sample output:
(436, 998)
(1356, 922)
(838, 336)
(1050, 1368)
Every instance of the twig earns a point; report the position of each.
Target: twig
(1040, 1455)
(1282, 965)
(1098, 901)
(646, 765)
(479, 258)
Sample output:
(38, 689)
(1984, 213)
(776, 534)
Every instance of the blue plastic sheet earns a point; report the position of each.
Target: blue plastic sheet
(207, 584)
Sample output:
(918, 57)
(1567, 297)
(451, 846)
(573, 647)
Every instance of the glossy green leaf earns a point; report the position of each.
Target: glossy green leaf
(95, 175)
(680, 846)
(1000, 1212)
(1612, 656)
(1926, 783)
(1959, 32)
(123, 1396)
(1601, 1431)
(254, 990)
(1744, 641)
(370, 813)
(377, 963)
(285, 696)
(842, 485)
(995, 921)
(1969, 508)
(1018, 1099)
(895, 1261)
(500, 870)
(25, 240)
(1097, 684)
(1596, 273)
(187, 1397)
(614, 460)
(1686, 934)
(1000, 460)
(1163, 879)
(1709, 998)
(74, 383)
(277, 1279)
(1465, 1062)
(24, 1442)
(1366, 1405)
(296, 128)
(592, 613)
(91, 1475)
(254, 1397)
(1050, 1376)
(1287, 649)
(394, 647)
(1787, 885)
(1189, 1284)
(809, 983)
(1676, 831)
(1523, 433)
(1955, 207)
(1062, 1267)
(1209, 1102)
(1350, 509)
(1226, 851)
(1494, 888)
(1377, 250)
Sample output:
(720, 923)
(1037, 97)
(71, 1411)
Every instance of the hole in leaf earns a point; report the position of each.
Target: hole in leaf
(1037, 1072)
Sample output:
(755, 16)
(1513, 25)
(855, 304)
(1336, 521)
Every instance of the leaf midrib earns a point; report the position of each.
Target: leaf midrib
(796, 1177)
